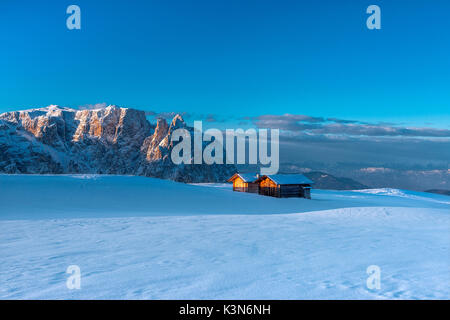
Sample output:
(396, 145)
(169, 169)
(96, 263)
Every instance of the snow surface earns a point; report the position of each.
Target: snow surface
(144, 238)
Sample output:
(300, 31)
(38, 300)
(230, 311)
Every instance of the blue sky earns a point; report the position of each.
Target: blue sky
(232, 58)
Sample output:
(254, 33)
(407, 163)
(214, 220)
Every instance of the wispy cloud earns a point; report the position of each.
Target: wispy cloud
(166, 115)
(342, 120)
(335, 126)
(211, 118)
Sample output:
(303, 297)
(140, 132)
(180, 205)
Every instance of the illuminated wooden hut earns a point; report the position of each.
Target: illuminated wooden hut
(245, 182)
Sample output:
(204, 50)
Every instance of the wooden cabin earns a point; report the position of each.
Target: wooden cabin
(276, 185)
(245, 182)
(285, 186)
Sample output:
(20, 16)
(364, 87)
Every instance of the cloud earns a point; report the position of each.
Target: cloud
(380, 130)
(166, 115)
(286, 118)
(211, 118)
(334, 126)
(376, 154)
(289, 122)
(341, 120)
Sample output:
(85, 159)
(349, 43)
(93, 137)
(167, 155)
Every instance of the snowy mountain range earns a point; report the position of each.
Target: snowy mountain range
(111, 140)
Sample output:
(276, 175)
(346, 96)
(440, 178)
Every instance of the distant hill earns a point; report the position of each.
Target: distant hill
(439, 191)
(324, 180)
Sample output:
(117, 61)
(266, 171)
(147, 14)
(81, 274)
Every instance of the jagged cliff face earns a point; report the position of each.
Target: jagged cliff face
(112, 140)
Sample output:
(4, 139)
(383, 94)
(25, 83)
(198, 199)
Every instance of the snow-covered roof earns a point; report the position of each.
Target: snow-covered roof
(289, 179)
(246, 177)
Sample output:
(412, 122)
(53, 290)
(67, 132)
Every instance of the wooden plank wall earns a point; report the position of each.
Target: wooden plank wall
(291, 190)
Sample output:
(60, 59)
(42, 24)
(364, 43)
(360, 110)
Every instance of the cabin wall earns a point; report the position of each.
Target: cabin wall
(291, 190)
(295, 190)
(240, 185)
(253, 187)
(268, 188)
(267, 183)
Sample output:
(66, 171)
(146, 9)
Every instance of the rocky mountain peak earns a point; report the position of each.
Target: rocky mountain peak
(111, 140)
(152, 148)
(177, 123)
(161, 127)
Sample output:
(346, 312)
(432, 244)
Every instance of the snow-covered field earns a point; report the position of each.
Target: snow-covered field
(143, 238)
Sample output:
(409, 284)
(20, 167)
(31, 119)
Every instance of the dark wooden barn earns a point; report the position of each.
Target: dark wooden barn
(285, 185)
